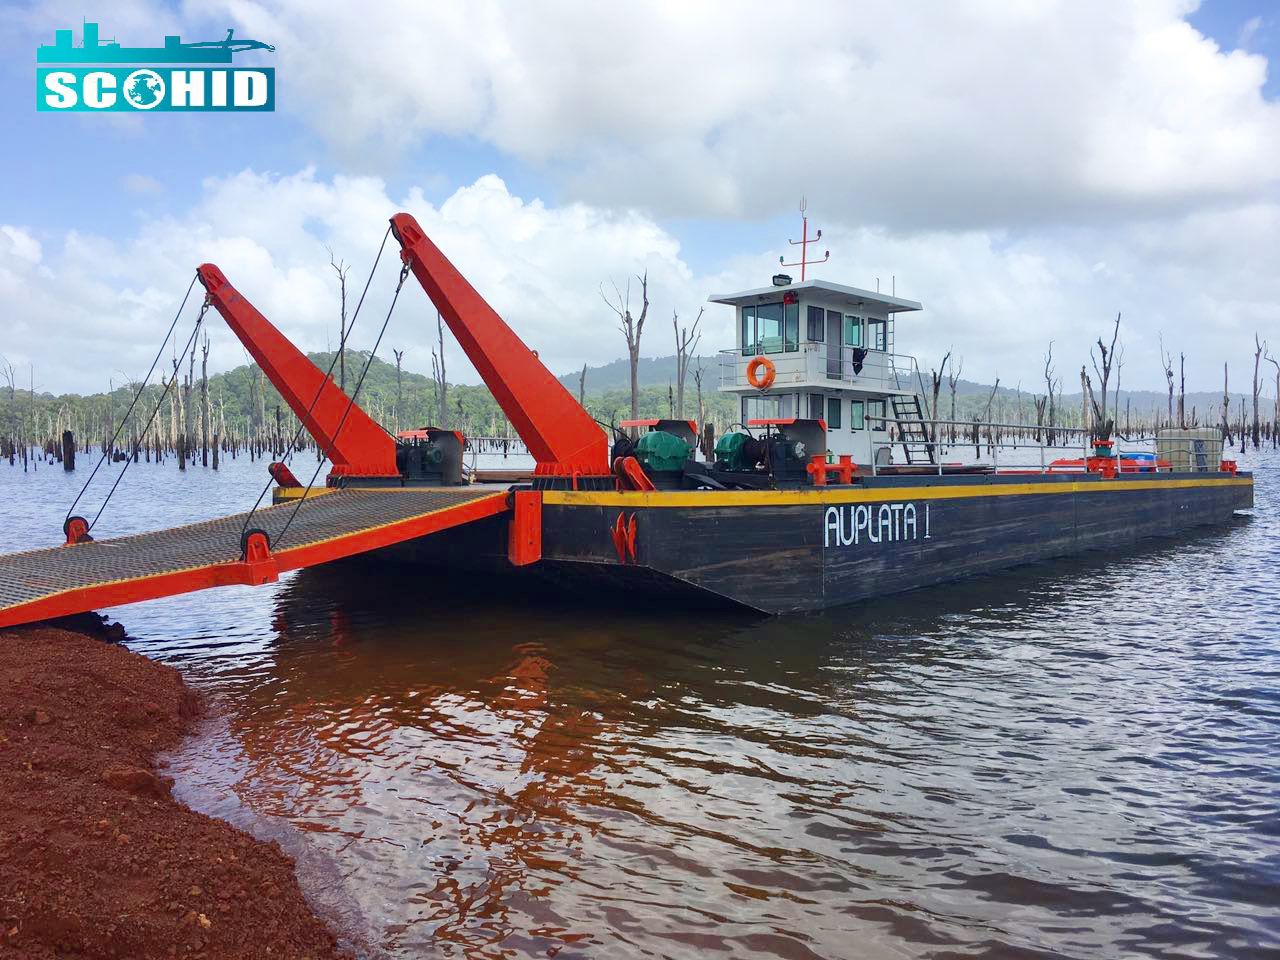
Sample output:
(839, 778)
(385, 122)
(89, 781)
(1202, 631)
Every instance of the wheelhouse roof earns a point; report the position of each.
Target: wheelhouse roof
(849, 296)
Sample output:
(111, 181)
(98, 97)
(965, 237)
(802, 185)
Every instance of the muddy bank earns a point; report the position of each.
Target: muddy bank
(96, 858)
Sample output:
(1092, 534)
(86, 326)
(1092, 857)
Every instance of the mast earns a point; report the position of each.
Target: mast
(803, 244)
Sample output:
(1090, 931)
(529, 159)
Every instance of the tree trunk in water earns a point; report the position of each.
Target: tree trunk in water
(634, 355)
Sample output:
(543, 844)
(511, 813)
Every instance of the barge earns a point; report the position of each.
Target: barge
(832, 489)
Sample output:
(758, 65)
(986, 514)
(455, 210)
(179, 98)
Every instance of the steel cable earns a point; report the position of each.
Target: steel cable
(328, 375)
(404, 273)
(141, 387)
(204, 308)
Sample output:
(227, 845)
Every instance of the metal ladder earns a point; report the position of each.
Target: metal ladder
(913, 431)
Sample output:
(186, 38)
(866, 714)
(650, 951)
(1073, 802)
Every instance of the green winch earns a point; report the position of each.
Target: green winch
(731, 451)
(662, 452)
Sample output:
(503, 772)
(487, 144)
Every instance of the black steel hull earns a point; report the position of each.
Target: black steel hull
(786, 551)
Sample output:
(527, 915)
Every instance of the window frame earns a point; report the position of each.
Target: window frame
(877, 334)
(816, 313)
(790, 326)
(833, 422)
(788, 321)
(846, 327)
(858, 420)
(881, 417)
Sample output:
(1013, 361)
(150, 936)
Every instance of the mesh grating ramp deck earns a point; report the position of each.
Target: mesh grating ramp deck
(59, 581)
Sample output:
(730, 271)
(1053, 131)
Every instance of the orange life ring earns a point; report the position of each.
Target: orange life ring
(755, 378)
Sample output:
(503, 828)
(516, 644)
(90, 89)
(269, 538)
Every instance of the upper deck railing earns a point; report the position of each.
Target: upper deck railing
(1027, 448)
(813, 366)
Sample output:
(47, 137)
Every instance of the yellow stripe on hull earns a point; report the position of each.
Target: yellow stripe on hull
(818, 495)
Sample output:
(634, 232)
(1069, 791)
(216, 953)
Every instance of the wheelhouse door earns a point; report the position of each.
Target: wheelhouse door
(833, 345)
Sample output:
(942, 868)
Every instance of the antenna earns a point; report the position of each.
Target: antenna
(803, 244)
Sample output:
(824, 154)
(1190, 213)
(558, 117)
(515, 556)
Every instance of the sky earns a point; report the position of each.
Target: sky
(1027, 169)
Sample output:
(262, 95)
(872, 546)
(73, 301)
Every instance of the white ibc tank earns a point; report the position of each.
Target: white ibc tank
(1198, 449)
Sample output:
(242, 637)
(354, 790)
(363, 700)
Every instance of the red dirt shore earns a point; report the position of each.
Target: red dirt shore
(96, 858)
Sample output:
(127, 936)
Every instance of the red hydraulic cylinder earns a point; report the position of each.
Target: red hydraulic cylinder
(559, 433)
(357, 446)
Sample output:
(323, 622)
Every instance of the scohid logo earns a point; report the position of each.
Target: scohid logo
(146, 81)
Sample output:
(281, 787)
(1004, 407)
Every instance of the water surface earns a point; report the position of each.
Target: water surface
(1074, 759)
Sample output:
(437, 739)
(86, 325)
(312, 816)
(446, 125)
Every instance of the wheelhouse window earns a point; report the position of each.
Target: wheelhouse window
(876, 334)
(816, 406)
(857, 415)
(770, 407)
(762, 328)
(817, 327)
(852, 330)
(875, 412)
(833, 413)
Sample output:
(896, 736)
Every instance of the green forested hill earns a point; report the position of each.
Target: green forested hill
(243, 400)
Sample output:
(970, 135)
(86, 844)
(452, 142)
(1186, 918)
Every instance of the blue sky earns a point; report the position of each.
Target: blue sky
(690, 172)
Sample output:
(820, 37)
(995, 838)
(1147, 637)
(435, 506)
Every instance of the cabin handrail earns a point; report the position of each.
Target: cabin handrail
(1081, 446)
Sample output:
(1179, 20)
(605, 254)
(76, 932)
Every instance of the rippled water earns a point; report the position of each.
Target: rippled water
(1073, 759)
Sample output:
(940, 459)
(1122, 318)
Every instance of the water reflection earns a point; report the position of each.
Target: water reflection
(989, 766)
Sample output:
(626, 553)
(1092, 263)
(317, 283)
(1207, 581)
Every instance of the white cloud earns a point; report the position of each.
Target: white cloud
(540, 267)
(997, 297)
(20, 244)
(957, 115)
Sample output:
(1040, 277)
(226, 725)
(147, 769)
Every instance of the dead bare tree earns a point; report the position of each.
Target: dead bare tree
(686, 343)
(632, 327)
(1226, 408)
(1166, 366)
(1049, 384)
(399, 355)
(935, 386)
(1086, 399)
(953, 377)
(439, 375)
(204, 401)
(702, 410)
(1275, 412)
(1119, 359)
(187, 411)
(1040, 405)
(582, 387)
(10, 377)
(1257, 387)
(986, 415)
(1103, 369)
(1182, 391)
(341, 269)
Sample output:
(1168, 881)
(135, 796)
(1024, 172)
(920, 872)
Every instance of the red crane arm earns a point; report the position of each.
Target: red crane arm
(559, 433)
(361, 447)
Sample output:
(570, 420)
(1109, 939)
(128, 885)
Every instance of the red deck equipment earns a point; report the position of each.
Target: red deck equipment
(562, 437)
(357, 447)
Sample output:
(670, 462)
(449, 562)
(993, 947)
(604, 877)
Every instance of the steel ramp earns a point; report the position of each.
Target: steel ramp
(58, 581)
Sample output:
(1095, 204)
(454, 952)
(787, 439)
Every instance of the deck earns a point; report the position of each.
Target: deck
(58, 581)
